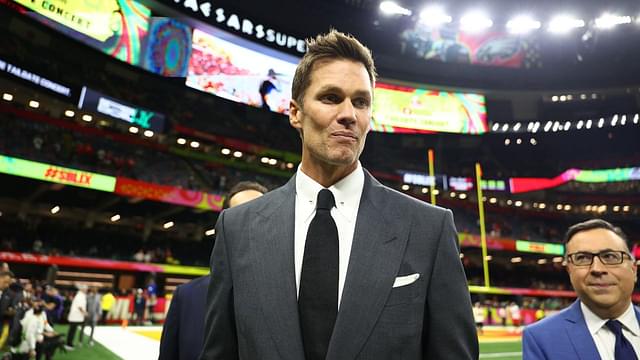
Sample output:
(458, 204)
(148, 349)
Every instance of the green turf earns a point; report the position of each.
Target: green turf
(84, 352)
(501, 350)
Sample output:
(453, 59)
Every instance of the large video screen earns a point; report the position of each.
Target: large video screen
(116, 27)
(402, 109)
(233, 68)
(447, 43)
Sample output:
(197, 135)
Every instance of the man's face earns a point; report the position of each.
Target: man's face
(243, 196)
(605, 289)
(334, 118)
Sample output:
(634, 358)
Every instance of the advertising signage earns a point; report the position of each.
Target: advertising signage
(56, 174)
(219, 17)
(120, 110)
(539, 247)
(7, 67)
(405, 109)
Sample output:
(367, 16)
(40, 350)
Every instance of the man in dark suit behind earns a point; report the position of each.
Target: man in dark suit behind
(182, 333)
(334, 265)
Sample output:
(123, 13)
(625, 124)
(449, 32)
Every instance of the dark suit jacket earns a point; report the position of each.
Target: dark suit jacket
(252, 310)
(564, 335)
(183, 329)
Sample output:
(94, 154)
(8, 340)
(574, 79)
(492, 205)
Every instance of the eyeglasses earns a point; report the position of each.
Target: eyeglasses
(607, 257)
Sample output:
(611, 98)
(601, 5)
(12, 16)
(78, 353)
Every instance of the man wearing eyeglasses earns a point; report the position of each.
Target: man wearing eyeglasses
(602, 323)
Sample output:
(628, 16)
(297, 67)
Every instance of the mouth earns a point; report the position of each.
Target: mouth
(344, 136)
(601, 286)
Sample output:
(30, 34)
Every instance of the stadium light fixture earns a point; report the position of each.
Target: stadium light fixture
(608, 21)
(636, 117)
(533, 141)
(559, 207)
(225, 151)
(563, 98)
(264, 160)
(425, 190)
(555, 98)
(475, 22)
(115, 218)
(567, 207)
(34, 104)
(542, 261)
(452, 194)
(488, 257)
(392, 8)
(505, 127)
(88, 118)
(290, 165)
(583, 96)
(493, 200)
(548, 126)
(194, 144)
(69, 113)
(168, 224)
(54, 210)
(516, 259)
(517, 126)
(210, 232)
(237, 154)
(461, 256)
(567, 126)
(623, 120)
(436, 192)
(626, 208)
(134, 130)
(518, 203)
(507, 141)
(148, 133)
(405, 187)
(434, 16)
(601, 122)
(556, 126)
(562, 24)
(579, 124)
(569, 97)
(509, 202)
(588, 125)
(7, 97)
(614, 120)
(558, 259)
(542, 205)
(181, 141)
(616, 208)
(518, 141)
(462, 196)
(495, 126)
(273, 162)
(522, 24)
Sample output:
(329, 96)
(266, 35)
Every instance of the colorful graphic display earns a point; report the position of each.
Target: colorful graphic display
(116, 27)
(401, 109)
(168, 194)
(448, 43)
(236, 69)
(168, 48)
(56, 174)
(539, 247)
(120, 110)
(520, 185)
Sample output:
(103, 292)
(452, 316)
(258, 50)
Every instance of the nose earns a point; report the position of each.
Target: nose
(597, 266)
(347, 113)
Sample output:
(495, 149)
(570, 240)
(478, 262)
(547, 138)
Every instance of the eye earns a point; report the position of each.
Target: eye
(582, 257)
(610, 256)
(330, 98)
(361, 103)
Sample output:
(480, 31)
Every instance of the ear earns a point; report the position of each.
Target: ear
(295, 114)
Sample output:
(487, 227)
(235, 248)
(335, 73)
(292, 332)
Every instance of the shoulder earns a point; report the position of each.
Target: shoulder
(549, 324)
(197, 284)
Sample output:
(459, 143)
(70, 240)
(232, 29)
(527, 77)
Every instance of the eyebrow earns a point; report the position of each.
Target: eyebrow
(333, 88)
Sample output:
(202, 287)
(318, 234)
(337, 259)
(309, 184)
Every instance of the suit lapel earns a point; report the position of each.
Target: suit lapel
(375, 259)
(578, 332)
(272, 243)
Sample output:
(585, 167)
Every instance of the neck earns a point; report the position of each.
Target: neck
(326, 174)
(613, 312)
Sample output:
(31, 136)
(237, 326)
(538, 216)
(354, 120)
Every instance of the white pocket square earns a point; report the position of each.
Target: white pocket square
(405, 280)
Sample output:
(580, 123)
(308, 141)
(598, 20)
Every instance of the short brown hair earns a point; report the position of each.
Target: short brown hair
(333, 45)
(595, 224)
(242, 186)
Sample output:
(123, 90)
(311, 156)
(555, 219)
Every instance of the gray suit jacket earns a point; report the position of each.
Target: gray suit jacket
(252, 310)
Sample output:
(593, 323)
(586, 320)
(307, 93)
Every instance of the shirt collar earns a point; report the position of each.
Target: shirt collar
(347, 192)
(595, 323)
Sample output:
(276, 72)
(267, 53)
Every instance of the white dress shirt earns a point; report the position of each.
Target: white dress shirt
(347, 193)
(604, 338)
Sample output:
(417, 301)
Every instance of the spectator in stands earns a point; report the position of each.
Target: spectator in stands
(77, 314)
(93, 314)
(6, 306)
(53, 304)
(38, 337)
(139, 306)
(602, 323)
(479, 315)
(183, 329)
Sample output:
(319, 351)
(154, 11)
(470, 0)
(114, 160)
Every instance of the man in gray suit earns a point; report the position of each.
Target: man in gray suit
(334, 265)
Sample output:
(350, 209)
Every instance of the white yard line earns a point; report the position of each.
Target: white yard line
(127, 344)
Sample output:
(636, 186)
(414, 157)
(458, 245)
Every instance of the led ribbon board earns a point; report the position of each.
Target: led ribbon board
(404, 109)
(120, 110)
(539, 247)
(34, 78)
(520, 185)
(56, 174)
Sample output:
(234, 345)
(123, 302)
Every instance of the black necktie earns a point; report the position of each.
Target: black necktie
(624, 349)
(318, 299)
